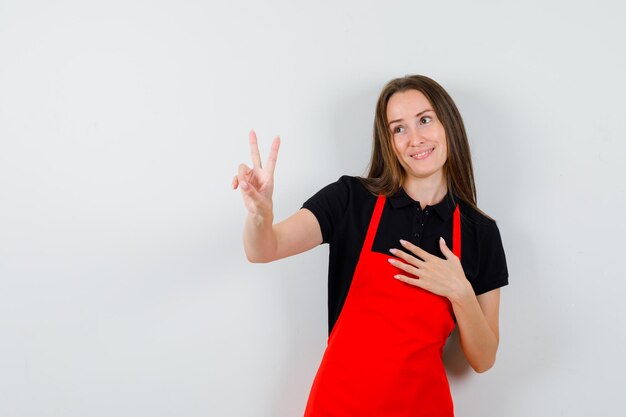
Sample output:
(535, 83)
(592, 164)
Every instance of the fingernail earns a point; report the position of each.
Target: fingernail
(396, 276)
(402, 241)
(391, 261)
(244, 185)
(442, 240)
(392, 250)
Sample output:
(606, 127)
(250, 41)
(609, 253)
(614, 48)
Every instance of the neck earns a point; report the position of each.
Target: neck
(428, 191)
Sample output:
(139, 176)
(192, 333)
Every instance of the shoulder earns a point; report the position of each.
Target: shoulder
(347, 188)
(337, 201)
(475, 220)
(354, 184)
(485, 263)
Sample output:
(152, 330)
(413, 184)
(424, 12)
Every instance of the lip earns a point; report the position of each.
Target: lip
(422, 154)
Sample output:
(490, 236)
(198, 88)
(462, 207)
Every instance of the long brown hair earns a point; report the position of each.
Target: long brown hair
(386, 175)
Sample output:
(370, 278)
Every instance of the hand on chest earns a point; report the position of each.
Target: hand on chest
(423, 228)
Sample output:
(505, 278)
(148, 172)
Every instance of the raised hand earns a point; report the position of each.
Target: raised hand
(257, 183)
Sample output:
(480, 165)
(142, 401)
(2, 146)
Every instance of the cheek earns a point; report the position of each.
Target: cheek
(395, 145)
(444, 154)
(443, 143)
(445, 150)
(399, 143)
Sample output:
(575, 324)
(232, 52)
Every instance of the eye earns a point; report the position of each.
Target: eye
(425, 120)
(398, 129)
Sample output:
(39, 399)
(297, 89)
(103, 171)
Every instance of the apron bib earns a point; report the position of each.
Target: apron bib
(384, 354)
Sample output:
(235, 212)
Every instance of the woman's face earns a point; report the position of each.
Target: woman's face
(419, 139)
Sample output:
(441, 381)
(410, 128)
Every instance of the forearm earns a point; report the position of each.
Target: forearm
(478, 340)
(259, 238)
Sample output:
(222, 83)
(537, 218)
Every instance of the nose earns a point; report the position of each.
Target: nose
(416, 138)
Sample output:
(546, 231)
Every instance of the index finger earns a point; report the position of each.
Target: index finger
(254, 150)
(271, 159)
(416, 250)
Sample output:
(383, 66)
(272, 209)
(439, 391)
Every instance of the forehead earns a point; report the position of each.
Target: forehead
(406, 103)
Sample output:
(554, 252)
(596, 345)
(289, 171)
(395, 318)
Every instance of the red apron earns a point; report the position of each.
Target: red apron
(384, 354)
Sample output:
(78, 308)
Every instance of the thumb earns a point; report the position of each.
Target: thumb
(250, 192)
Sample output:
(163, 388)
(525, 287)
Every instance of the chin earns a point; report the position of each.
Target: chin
(424, 173)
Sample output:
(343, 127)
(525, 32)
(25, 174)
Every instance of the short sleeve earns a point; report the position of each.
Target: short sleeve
(493, 271)
(329, 206)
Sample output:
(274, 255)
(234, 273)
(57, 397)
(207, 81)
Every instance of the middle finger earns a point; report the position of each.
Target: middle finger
(416, 250)
(413, 260)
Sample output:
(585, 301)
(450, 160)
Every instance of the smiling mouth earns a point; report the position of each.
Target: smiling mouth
(423, 154)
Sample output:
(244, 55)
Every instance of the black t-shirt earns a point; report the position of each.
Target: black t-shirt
(344, 208)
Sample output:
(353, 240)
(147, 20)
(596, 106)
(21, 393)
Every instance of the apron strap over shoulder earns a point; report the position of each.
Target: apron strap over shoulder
(375, 219)
(456, 232)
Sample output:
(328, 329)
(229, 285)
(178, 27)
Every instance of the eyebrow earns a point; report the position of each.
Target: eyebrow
(417, 115)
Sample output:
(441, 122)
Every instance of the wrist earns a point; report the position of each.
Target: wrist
(261, 219)
(463, 294)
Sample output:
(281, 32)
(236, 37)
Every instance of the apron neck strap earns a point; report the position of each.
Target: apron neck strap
(456, 232)
(371, 230)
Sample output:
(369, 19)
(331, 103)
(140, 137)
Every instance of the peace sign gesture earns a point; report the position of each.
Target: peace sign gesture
(257, 183)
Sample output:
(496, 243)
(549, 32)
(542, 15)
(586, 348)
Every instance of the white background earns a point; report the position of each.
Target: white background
(124, 289)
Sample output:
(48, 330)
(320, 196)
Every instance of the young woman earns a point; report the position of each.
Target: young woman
(410, 255)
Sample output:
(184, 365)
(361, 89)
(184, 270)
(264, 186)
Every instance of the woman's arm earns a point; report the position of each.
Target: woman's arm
(476, 316)
(263, 241)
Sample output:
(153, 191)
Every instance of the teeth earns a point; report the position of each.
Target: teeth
(419, 155)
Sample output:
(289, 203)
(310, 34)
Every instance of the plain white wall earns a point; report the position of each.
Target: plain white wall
(124, 289)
